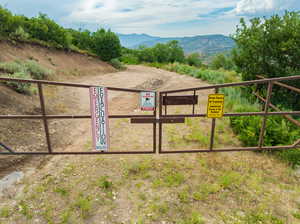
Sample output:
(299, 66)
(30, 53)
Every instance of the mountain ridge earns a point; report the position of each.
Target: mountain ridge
(204, 44)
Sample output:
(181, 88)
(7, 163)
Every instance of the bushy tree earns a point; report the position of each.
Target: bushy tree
(176, 52)
(81, 38)
(106, 44)
(270, 47)
(194, 59)
(222, 61)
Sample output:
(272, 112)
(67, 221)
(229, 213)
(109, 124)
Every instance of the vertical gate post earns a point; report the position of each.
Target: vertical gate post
(154, 124)
(266, 109)
(194, 102)
(212, 132)
(45, 121)
(160, 123)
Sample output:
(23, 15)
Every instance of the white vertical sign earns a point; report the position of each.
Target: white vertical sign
(99, 113)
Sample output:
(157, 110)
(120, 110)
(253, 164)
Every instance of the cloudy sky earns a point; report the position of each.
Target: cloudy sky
(155, 17)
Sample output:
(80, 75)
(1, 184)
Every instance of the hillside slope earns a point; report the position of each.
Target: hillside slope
(58, 60)
(66, 66)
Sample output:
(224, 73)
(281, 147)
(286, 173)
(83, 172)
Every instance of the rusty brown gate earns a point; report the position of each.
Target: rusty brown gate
(161, 116)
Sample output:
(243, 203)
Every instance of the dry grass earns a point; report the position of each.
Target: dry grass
(216, 188)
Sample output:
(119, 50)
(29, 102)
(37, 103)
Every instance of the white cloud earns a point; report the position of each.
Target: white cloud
(264, 7)
(129, 15)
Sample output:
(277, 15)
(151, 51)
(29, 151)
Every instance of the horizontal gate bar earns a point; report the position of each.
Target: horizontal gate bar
(282, 84)
(67, 116)
(231, 149)
(238, 114)
(173, 120)
(147, 116)
(69, 84)
(180, 100)
(77, 153)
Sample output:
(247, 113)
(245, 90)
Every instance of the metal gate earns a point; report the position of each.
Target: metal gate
(163, 117)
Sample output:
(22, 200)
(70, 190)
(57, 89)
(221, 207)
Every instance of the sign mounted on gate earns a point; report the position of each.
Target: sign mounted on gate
(99, 113)
(215, 106)
(147, 101)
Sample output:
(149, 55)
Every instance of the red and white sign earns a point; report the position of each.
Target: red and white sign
(99, 113)
(147, 101)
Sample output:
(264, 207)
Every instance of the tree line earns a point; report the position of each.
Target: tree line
(42, 29)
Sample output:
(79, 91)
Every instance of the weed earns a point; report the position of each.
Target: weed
(84, 204)
(65, 216)
(195, 218)
(104, 183)
(4, 212)
(138, 169)
(204, 190)
(69, 169)
(48, 215)
(230, 179)
(174, 179)
(25, 210)
(296, 215)
(159, 208)
(184, 196)
(62, 191)
(142, 196)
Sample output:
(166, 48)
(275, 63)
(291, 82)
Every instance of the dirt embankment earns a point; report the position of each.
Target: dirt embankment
(27, 135)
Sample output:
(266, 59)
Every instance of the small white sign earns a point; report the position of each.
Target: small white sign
(99, 113)
(147, 101)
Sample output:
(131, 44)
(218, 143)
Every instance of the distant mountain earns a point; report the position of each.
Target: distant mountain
(132, 40)
(205, 44)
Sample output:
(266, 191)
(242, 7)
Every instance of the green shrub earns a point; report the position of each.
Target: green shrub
(21, 87)
(130, 59)
(24, 70)
(279, 131)
(117, 64)
(12, 67)
(36, 70)
(20, 34)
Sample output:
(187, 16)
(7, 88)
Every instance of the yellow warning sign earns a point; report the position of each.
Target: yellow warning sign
(215, 106)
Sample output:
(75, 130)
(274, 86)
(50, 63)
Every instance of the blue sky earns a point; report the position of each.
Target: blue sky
(164, 18)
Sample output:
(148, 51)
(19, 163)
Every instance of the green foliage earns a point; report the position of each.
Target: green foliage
(279, 131)
(221, 61)
(174, 179)
(37, 71)
(45, 31)
(194, 59)
(160, 53)
(21, 87)
(105, 183)
(4, 212)
(84, 204)
(270, 47)
(195, 218)
(24, 70)
(117, 64)
(20, 34)
(25, 210)
(130, 59)
(106, 44)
